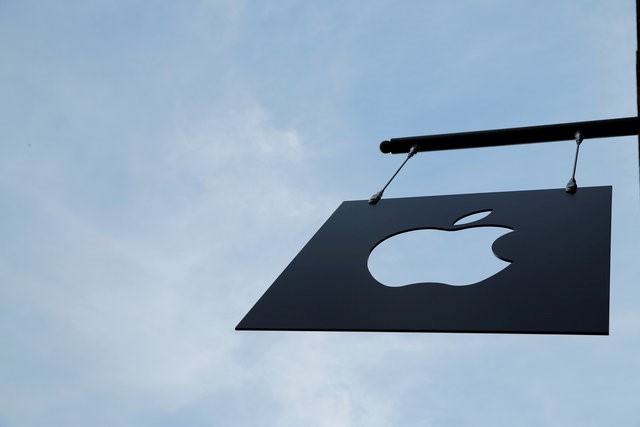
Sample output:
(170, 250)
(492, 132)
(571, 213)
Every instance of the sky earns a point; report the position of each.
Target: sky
(162, 162)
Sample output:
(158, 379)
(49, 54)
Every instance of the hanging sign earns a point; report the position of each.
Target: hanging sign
(556, 282)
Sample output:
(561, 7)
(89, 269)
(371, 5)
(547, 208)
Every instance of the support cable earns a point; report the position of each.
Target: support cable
(572, 186)
(376, 197)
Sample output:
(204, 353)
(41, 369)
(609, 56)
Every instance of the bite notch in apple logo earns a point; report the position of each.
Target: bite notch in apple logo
(459, 255)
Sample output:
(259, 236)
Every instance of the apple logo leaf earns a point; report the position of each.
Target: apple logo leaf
(473, 217)
(456, 256)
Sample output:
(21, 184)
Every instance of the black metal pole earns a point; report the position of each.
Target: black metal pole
(638, 72)
(513, 136)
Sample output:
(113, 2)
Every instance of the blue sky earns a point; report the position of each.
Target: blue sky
(161, 163)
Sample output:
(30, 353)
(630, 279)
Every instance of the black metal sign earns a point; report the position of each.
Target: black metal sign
(557, 281)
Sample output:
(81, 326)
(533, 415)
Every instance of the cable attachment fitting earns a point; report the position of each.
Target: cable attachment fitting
(572, 185)
(376, 197)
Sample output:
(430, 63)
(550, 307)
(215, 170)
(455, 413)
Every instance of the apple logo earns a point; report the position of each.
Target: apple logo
(460, 255)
